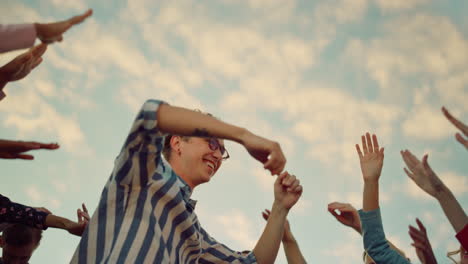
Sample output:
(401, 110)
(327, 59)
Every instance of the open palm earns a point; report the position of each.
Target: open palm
(371, 157)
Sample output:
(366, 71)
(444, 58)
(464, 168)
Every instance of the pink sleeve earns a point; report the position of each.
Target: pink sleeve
(462, 236)
(14, 37)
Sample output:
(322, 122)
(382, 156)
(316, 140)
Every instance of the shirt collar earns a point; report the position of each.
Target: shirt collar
(184, 187)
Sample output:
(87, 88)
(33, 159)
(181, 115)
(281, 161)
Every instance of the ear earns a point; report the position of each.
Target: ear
(175, 144)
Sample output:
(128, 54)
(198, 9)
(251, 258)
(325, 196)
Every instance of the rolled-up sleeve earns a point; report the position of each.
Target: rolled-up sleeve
(19, 36)
(215, 252)
(375, 242)
(17, 213)
(143, 144)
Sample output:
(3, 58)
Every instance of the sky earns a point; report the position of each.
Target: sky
(312, 75)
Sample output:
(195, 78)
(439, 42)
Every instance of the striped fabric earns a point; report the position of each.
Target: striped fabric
(145, 214)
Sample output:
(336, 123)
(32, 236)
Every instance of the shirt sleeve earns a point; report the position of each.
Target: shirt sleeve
(17, 213)
(215, 252)
(15, 37)
(143, 145)
(375, 242)
(462, 237)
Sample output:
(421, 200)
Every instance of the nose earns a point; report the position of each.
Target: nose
(217, 154)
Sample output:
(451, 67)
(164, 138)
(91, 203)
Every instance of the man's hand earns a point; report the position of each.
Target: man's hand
(20, 66)
(422, 174)
(287, 190)
(421, 244)
(347, 215)
(372, 159)
(15, 149)
(287, 235)
(463, 128)
(266, 151)
(51, 32)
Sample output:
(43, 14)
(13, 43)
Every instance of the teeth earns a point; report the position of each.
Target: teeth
(210, 164)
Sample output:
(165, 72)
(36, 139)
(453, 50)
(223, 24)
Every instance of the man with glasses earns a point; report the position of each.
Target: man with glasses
(145, 214)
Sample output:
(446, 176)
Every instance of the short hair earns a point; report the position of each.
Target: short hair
(21, 235)
(166, 151)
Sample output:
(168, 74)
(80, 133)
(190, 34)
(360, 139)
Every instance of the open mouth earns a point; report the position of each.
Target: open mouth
(210, 164)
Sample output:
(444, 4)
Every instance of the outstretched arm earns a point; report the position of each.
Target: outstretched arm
(375, 243)
(287, 192)
(290, 245)
(181, 121)
(10, 149)
(423, 175)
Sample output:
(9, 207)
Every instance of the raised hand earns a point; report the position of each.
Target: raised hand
(15, 149)
(287, 235)
(421, 244)
(372, 159)
(422, 174)
(458, 124)
(52, 32)
(266, 151)
(347, 215)
(83, 216)
(22, 65)
(77, 228)
(287, 190)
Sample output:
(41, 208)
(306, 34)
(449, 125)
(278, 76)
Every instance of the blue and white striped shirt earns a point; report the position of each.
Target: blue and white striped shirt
(145, 214)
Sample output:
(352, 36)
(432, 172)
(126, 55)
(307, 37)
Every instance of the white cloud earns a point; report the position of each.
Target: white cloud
(238, 227)
(34, 194)
(399, 4)
(346, 252)
(31, 116)
(426, 123)
(78, 5)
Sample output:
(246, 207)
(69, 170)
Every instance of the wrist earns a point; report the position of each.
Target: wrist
(443, 193)
(371, 182)
(279, 210)
(288, 237)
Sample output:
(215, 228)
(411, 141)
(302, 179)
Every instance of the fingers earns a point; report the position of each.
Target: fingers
(375, 143)
(80, 18)
(460, 139)
(276, 161)
(463, 128)
(369, 143)
(421, 226)
(49, 146)
(359, 151)
(39, 50)
(426, 166)
(23, 156)
(364, 145)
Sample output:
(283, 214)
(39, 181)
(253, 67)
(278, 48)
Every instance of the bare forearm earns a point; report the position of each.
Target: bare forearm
(371, 196)
(268, 245)
(292, 251)
(181, 121)
(57, 222)
(452, 209)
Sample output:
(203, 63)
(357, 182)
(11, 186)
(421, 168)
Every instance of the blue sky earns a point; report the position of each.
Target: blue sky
(313, 75)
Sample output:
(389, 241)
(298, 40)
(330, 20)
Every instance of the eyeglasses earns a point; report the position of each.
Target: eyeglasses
(214, 145)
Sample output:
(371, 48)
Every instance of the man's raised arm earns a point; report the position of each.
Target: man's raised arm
(181, 121)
